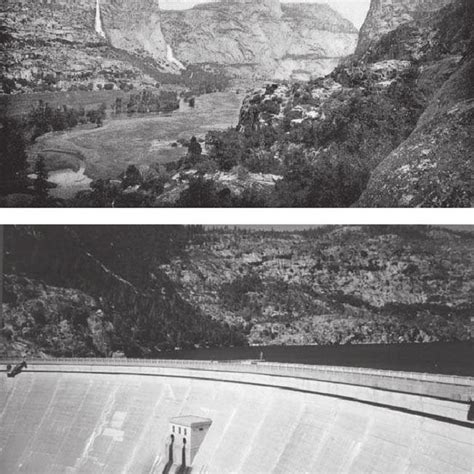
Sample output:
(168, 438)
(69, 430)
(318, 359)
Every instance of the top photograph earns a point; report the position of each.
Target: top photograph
(236, 103)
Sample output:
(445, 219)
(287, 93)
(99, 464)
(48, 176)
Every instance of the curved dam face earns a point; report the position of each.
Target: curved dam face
(117, 419)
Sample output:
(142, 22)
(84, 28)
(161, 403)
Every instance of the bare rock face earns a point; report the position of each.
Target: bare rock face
(433, 167)
(261, 38)
(387, 15)
(134, 25)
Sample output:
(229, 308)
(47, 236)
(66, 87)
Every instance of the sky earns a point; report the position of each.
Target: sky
(354, 10)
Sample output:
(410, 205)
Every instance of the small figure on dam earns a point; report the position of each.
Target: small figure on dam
(14, 371)
(470, 415)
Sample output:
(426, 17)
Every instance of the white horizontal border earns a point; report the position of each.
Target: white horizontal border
(237, 216)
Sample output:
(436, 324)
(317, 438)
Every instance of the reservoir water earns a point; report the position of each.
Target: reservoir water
(443, 358)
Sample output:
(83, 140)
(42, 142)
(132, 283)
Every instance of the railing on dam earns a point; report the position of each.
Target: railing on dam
(454, 388)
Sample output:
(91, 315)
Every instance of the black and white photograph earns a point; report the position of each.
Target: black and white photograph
(236, 349)
(236, 236)
(236, 103)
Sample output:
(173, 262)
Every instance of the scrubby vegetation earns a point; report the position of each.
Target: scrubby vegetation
(324, 162)
(44, 119)
(147, 101)
(198, 79)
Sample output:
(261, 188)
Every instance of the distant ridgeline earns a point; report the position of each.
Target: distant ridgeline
(386, 15)
(273, 5)
(261, 38)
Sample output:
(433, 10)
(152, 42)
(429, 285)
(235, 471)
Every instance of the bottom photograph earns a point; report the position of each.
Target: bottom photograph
(241, 349)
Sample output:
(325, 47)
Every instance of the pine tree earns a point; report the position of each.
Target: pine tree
(13, 160)
(194, 150)
(41, 183)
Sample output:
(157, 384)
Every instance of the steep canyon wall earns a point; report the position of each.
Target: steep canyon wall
(265, 39)
(386, 15)
(132, 25)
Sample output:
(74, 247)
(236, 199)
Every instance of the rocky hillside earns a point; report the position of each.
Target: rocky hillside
(56, 47)
(97, 291)
(47, 320)
(261, 38)
(332, 285)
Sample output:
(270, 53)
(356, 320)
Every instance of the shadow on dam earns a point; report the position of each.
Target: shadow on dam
(101, 419)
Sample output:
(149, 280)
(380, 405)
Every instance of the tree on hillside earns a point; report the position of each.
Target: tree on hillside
(41, 183)
(13, 160)
(194, 150)
(204, 193)
(226, 148)
(131, 177)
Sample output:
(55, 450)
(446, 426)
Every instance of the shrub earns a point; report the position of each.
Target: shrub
(204, 193)
(270, 107)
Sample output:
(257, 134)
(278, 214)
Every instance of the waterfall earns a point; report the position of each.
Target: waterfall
(171, 58)
(98, 20)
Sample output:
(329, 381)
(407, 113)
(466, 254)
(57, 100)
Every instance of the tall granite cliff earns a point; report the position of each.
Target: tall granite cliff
(261, 38)
(128, 24)
(134, 25)
(338, 285)
(433, 167)
(387, 15)
(56, 45)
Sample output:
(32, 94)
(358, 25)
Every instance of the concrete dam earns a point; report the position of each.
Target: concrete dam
(111, 416)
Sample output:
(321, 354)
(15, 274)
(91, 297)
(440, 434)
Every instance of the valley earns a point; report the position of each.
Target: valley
(148, 140)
